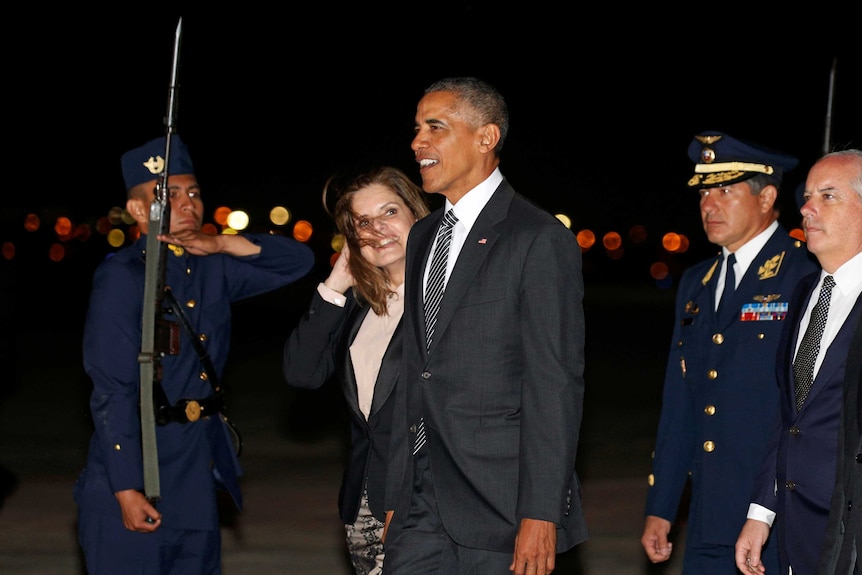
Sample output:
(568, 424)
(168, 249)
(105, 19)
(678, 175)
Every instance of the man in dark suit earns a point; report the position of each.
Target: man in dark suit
(793, 489)
(840, 553)
(719, 391)
(483, 477)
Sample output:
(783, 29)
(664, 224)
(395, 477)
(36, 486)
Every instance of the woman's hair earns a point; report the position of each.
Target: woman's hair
(372, 283)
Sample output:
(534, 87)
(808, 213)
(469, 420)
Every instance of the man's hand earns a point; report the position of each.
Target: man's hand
(750, 543)
(200, 243)
(654, 539)
(138, 514)
(535, 548)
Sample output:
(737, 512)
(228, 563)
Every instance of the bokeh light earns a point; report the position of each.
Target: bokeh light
(337, 242)
(658, 270)
(567, 221)
(237, 220)
(116, 238)
(279, 215)
(612, 241)
(671, 242)
(586, 239)
(8, 250)
(56, 252)
(32, 222)
(302, 230)
(638, 234)
(220, 215)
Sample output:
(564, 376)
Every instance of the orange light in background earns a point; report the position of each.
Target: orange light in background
(31, 222)
(279, 215)
(103, 225)
(567, 221)
(134, 233)
(683, 244)
(8, 250)
(638, 234)
(220, 215)
(671, 242)
(56, 252)
(616, 254)
(63, 228)
(116, 238)
(333, 258)
(612, 241)
(127, 218)
(798, 234)
(83, 232)
(586, 239)
(209, 229)
(302, 231)
(658, 271)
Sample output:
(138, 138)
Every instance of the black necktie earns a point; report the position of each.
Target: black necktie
(803, 365)
(433, 295)
(729, 283)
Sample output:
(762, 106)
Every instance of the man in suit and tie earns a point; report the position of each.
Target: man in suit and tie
(712, 431)
(793, 490)
(840, 554)
(483, 477)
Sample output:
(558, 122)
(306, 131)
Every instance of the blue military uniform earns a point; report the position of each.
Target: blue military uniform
(720, 392)
(197, 457)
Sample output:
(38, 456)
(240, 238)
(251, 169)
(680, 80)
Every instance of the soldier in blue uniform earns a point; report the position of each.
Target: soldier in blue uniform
(119, 530)
(720, 392)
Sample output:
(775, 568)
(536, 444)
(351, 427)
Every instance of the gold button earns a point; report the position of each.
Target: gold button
(204, 376)
(188, 271)
(651, 479)
(712, 374)
(117, 447)
(709, 410)
(718, 338)
(708, 446)
(203, 337)
(191, 303)
(761, 335)
(193, 410)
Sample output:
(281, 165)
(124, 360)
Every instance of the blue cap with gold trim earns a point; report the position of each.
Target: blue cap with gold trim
(721, 160)
(145, 163)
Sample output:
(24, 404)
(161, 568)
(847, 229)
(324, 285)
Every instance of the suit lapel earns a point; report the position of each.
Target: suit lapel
(833, 360)
(478, 244)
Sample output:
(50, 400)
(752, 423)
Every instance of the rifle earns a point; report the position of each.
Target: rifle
(153, 330)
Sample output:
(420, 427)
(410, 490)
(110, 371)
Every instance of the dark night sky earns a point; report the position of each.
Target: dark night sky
(603, 106)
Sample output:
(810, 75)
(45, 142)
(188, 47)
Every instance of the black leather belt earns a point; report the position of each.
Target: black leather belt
(189, 410)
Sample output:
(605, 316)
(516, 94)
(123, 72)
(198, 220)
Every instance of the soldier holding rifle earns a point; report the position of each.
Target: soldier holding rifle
(118, 525)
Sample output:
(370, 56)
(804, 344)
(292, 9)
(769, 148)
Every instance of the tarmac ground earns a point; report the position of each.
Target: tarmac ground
(295, 442)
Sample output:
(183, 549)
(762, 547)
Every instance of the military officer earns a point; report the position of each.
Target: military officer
(720, 391)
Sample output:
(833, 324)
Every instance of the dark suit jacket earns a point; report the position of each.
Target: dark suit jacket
(720, 396)
(316, 350)
(845, 523)
(502, 389)
(801, 456)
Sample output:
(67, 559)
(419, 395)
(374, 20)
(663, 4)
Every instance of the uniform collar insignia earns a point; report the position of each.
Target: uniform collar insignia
(709, 273)
(770, 268)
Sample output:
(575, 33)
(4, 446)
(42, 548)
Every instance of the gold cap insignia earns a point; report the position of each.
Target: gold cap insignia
(193, 410)
(708, 139)
(155, 164)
